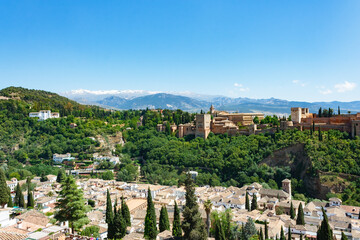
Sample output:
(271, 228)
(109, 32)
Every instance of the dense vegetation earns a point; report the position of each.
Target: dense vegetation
(27, 146)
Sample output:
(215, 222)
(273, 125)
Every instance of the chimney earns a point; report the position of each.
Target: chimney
(19, 224)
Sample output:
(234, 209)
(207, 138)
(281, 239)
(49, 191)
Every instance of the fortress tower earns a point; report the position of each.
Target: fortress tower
(202, 125)
(286, 186)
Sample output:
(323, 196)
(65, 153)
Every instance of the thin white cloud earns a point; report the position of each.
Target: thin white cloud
(241, 88)
(345, 86)
(297, 82)
(325, 91)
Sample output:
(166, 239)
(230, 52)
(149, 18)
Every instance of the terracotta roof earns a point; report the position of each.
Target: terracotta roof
(12, 236)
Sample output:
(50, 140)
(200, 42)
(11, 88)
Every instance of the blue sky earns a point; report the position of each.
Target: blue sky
(295, 50)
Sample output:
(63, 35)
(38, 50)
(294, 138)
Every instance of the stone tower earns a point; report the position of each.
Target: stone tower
(286, 186)
(202, 125)
(212, 109)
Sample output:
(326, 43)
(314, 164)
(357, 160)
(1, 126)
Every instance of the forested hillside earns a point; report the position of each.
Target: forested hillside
(27, 145)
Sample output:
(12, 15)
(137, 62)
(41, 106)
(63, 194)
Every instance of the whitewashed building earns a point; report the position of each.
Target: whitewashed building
(44, 114)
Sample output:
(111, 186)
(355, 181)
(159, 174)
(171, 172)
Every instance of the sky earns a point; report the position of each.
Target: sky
(296, 50)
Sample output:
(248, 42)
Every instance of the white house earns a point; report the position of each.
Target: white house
(59, 158)
(5, 219)
(12, 184)
(44, 114)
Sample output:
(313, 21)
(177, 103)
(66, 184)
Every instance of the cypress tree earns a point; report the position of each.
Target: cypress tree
(10, 202)
(320, 113)
(109, 213)
(300, 217)
(115, 207)
(261, 235)
(164, 220)
(311, 130)
(19, 197)
(247, 202)
(313, 127)
(320, 134)
(4, 189)
(289, 233)
(119, 226)
(219, 230)
(343, 236)
(193, 225)
(324, 232)
(150, 219)
(292, 211)
(266, 231)
(339, 110)
(301, 236)
(61, 176)
(282, 235)
(125, 212)
(176, 230)
(254, 203)
(31, 202)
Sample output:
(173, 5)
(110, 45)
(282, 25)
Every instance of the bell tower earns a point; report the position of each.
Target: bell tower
(286, 186)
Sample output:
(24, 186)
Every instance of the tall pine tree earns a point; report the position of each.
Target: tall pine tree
(109, 212)
(150, 219)
(10, 202)
(176, 230)
(324, 232)
(71, 205)
(4, 189)
(193, 225)
(164, 220)
(19, 197)
(125, 212)
(254, 203)
(219, 230)
(282, 235)
(292, 211)
(266, 230)
(300, 217)
(247, 202)
(261, 234)
(119, 226)
(30, 198)
(343, 236)
(289, 233)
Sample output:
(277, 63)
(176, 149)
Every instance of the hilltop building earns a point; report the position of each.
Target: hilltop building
(302, 119)
(44, 114)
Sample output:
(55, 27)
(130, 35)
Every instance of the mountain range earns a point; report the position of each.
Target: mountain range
(192, 102)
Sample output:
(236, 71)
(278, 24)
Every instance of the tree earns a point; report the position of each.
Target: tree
(343, 236)
(61, 176)
(108, 175)
(320, 134)
(324, 232)
(193, 226)
(289, 233)
(125, 212)
(109, 213)
(43, 178)
(219, 230)
(247, 202)
(176, 230)
(300, 217)
(266, 231)
(261, 235)
(249, 229)
(320, 113)
(4, 189)
(256, 120)
(254, 205)
(150, 219)
(164, 220)
(91, 231)
(301, 236)
(30, 203)
(10, 203)
(71, 205)
(119, 226)
(19, 197)
(282, 235)
(208, 207)
(339, 112)
(313, 127)
(292, 211)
